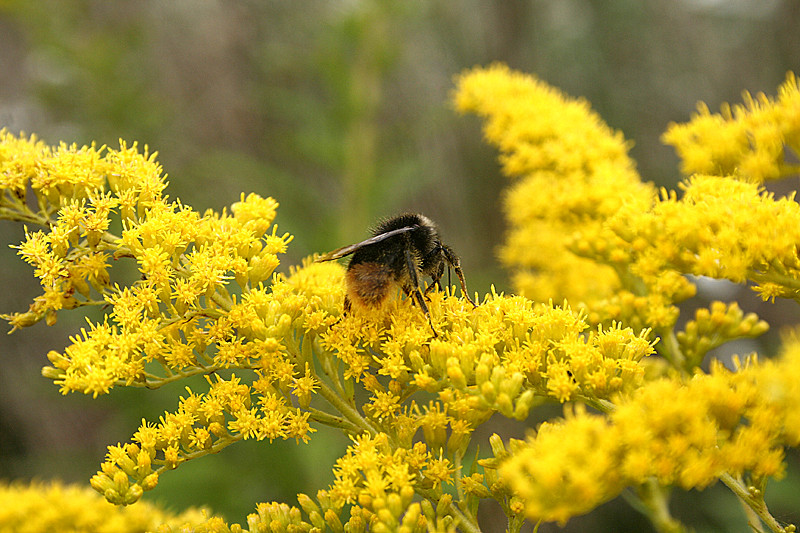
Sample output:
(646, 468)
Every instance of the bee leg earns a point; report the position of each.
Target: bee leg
(436, 279)
(414, 288)
(436, 275)
(421, 300)
(455, 262)
(345, 312)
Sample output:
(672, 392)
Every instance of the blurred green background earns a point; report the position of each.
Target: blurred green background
(341, 110)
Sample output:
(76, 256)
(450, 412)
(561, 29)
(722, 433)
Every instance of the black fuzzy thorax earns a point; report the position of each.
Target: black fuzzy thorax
(422, 242)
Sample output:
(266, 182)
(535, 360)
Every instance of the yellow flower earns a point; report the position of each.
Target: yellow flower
(582, 225)
(721, 228)
(735, 422)
(53, 506)
(574, 173)
(255, 212)
(744, 140)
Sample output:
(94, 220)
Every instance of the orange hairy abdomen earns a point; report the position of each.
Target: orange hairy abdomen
(368, 284)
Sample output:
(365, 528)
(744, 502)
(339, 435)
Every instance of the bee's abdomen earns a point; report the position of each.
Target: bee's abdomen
(368, 284)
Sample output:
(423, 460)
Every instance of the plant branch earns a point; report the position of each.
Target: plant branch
(349, 412)
(754, 500)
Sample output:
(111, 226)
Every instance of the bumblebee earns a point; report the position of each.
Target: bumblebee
(401, 250)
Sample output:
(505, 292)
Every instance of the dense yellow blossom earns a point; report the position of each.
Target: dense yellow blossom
(747, 140)
(573, 172)
(637, 246)
(574, 177)
(280, 357)
(54, 506)
(396, 512)
(182, 319)
(505, 356)
(720, 228)
(734, 422)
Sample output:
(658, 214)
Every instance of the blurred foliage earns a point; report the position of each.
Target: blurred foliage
(340, 111)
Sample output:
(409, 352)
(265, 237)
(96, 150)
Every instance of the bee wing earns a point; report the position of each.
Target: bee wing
(347, 250)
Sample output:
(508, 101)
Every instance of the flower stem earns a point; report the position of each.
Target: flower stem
(655, 505)
(755, 501)
(349, 412)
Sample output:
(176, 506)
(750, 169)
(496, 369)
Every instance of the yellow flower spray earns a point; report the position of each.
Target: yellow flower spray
(280, 359)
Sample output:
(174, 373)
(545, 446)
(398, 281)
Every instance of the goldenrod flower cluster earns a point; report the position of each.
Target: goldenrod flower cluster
(574, 176)
(720, 228)
(748, 140)
(572, 172)
(54, 506)
(626, 254)
(579, 198)
(394, 512)
(271, 352)
(280, 358)
(504, 356)
(686, 434)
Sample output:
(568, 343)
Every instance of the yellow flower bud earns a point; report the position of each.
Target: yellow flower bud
(394, 503)
(442, 508)
(52, 373)
(356, 524)
(150, 482)
(121, 482)
(488, 392)
(133, 495)
(316, 519)
(512, 384)
(333, 521)
(498, 448)
(101, 483)
(482, 373)
(261, 267)
(455, 374)
(307, 503)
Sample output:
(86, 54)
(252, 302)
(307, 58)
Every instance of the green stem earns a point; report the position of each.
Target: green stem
(655, 506)
(754, 501)
(332, 420)
(154, 382)
(16, 216)
(349, 412)
(670, 349)
(604, 406)
(459, 488)
(329, 365)
(775, 277)
(222, 300)
(465, 522)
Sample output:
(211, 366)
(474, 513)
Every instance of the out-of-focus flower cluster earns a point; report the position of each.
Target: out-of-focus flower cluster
(53, 506)
(639, 245)
(572, 171)
(720, 228)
